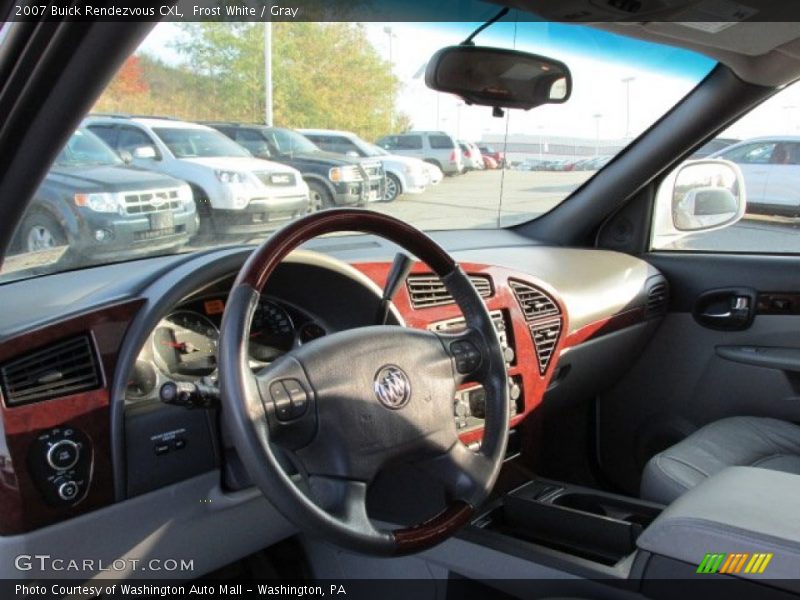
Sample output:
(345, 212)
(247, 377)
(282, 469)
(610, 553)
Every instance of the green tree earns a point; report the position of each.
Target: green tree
(324, 75)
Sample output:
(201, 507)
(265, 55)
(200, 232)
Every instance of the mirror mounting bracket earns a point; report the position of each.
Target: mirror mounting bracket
(468, 42)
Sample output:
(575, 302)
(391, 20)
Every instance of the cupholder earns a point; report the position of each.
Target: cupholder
(581, 502)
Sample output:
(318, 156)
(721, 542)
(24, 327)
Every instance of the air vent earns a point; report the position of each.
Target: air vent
(545, 338)
(534, 303)
(65, 368)
(429, 290)
(656, 300)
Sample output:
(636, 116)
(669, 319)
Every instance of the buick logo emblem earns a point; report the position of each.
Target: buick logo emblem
(392, 387)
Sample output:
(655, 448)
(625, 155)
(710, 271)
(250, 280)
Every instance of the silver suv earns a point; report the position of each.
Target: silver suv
(435, 147)
(234, 191)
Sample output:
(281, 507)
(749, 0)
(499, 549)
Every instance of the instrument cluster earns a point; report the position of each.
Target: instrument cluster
(183, 346)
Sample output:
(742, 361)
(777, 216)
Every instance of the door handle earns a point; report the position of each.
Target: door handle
(726, 309)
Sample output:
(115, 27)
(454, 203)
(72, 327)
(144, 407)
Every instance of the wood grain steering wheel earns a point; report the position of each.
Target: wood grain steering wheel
(347, 404)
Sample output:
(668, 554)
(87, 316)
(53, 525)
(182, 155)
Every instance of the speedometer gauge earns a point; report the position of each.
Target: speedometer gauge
(185, 345)
(271, 332)
(271, 320)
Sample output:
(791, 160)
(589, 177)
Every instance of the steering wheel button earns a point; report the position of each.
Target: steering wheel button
(281, 400)
(278, 393)
(297, 395)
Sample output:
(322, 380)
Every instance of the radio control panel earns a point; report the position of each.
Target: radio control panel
(469, 405)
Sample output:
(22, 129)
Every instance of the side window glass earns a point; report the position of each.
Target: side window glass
(441, 142)
(409, 142)
(253, 141)
(105, 133)
(130, 139)
(706, 213)
(751, 154)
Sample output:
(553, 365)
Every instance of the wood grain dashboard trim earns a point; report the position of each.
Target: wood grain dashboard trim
(22, 506)
(525, 367)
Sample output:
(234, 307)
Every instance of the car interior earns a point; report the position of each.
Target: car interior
(555, 408)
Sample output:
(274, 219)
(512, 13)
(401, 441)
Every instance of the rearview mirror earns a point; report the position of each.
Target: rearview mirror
(703, 195)
(498, 77)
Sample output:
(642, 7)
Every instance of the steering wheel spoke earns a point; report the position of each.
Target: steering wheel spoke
(289, 403)
(462, 472)
(345, 499)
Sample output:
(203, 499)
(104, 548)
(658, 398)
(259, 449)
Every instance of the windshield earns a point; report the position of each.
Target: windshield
(365, 148)
(198, 143)
(84, 149)
(373, 150)
(290, 142)
(354, 85)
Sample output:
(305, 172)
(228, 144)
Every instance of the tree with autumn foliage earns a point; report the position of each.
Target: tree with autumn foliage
(325, 75)
(128, 91)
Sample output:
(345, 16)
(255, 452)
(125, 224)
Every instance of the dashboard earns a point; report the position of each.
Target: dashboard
(553, 309)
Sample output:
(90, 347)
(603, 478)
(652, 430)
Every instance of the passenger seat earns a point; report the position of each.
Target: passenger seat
(734, 441)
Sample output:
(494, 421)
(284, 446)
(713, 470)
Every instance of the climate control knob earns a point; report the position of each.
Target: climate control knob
(63, 455)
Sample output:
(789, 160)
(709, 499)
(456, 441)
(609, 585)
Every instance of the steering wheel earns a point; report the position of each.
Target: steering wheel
(348, 404)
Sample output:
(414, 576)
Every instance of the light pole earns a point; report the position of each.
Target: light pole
(539, 128)
(390, 34)
(268, 73)
(627, 81)
(597, 117)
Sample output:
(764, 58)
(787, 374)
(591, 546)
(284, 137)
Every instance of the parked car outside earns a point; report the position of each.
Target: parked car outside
(489, 162)
(435, 147)
(712, 147)
(434, 173)
(488, 150)
(103, 209)
(234, 192)
(771, 169)
(404, 175)
(473, 159)
(333, 179)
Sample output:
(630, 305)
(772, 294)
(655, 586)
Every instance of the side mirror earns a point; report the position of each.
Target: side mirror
(498, 77)
(703, 195)
(147, 152)
(126, 156)
(352, 154)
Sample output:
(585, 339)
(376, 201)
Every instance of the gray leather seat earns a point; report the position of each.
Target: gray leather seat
(735, 441)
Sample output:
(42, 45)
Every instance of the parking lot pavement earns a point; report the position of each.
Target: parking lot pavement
(473, 199)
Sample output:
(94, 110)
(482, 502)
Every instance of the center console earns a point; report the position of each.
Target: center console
(591, 525)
